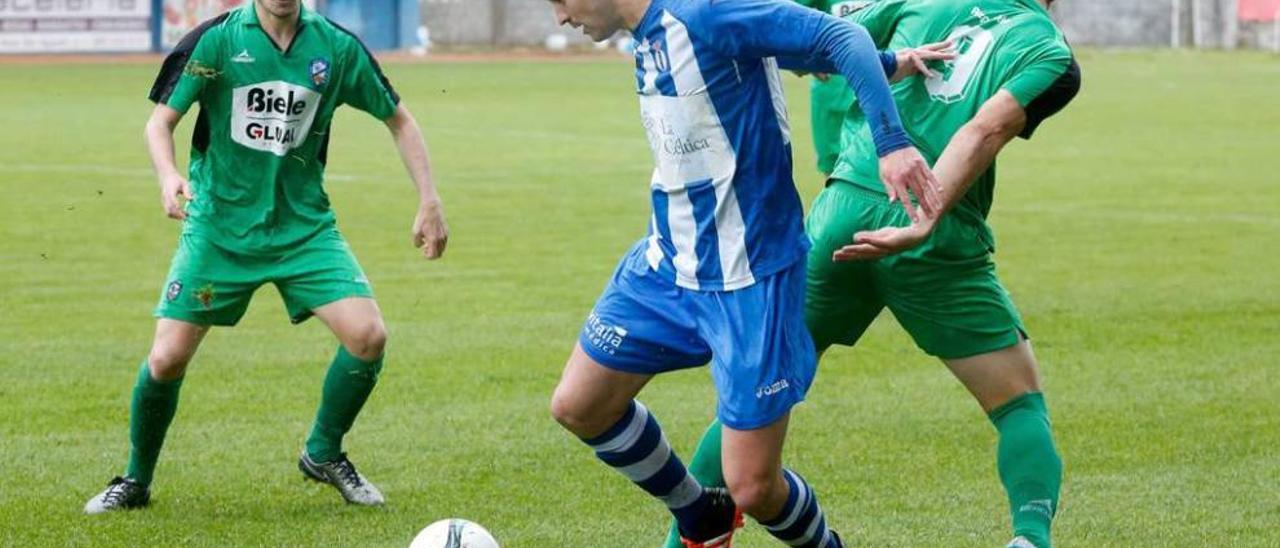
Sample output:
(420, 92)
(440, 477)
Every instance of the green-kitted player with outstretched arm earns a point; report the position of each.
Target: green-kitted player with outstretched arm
(268, 77)
(1013, 69)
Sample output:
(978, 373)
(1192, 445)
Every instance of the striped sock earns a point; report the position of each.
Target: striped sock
(800, 523)
(636, 447)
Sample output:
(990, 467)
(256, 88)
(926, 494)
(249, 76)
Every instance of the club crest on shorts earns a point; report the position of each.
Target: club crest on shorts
(319, 71)
(172, 292)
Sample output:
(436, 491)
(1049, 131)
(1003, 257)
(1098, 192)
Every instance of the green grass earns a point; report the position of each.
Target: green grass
(1138, 233)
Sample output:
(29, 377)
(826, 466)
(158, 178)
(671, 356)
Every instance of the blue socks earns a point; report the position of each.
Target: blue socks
(636, 448)
(800, 523)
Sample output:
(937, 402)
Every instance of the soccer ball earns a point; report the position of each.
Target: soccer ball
(454, 533)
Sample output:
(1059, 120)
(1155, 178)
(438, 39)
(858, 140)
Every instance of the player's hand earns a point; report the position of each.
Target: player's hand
(430, 231)
(916, 60)
(905, 173)
(175, 192)
(875, 244)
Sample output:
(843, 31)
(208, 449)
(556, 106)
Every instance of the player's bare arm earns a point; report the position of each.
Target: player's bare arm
(430, 231)
(969, 153)
(174, 188)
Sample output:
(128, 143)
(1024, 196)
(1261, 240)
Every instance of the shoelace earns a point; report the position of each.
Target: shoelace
(348, 472)
(115, 493)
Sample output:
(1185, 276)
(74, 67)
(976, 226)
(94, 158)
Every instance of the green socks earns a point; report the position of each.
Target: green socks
(346, 387)
(706, 468)
(1029, 465)
(154, 404)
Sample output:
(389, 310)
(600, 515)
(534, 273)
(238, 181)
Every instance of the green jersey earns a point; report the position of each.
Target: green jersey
(260, 143)
(1001, 44)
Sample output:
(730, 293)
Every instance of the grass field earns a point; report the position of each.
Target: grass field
(1139, 233)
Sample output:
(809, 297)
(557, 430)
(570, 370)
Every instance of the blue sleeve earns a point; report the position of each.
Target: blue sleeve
(778, 28)
(888, 60)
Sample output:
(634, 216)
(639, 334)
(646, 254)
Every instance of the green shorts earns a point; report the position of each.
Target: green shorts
(944, 293)
(209, 285)
(829, 102)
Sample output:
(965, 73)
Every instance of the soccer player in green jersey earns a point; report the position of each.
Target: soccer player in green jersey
(1012, 71)
(268, 77)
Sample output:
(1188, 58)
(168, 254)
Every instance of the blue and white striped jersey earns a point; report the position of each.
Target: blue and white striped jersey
(725, 207)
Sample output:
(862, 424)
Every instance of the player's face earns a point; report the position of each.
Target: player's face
(283, 9)
(598, 19)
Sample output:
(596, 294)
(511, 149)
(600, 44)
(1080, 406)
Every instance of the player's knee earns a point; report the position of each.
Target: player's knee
(574, 415)
(168, 362)
(754, 494)
(368, 341)
(565, 412)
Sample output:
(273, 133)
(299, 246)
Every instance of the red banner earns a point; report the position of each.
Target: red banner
(1259, 10)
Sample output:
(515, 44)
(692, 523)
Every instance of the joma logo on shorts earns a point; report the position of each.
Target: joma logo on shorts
(772, 389)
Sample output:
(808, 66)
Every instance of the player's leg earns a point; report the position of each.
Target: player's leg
(640, 326)
(1006, 385)
(764, 364)
(706, 469)
(205, 287)
(152, 408)
(597, 404)
(947, 296)
(840, 303)
(352, 374)
(321, 277)
(779, 499)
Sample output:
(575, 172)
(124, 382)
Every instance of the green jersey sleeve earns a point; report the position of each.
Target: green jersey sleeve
(880, 18)
(194, 65)
(365, 87)
(1038, 72)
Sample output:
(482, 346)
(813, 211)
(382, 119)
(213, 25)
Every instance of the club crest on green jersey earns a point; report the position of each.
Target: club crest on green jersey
(319, 71)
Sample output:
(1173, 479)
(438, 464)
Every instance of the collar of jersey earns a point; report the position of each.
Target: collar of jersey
(649, 13)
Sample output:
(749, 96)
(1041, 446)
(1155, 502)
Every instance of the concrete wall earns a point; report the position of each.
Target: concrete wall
(1112, 23)
(493, 22)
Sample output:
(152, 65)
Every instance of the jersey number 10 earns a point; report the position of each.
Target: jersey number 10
(971, 43)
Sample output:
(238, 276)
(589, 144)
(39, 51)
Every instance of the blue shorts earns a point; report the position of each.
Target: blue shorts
(762, 357)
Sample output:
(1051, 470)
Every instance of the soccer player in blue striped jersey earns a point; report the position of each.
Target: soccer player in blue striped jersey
(720, 276)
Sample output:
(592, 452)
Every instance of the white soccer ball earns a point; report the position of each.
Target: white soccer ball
(454, 533)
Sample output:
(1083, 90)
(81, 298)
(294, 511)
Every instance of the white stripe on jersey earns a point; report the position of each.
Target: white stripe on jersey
(779, 100)
(730, 229)
(684, 236)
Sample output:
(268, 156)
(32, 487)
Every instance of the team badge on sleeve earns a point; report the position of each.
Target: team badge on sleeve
(319, 72)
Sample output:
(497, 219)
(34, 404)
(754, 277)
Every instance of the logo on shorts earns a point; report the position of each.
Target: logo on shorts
(205, 296)
(319, 71)
(772, 389)
(172, 292)
(605, 337)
